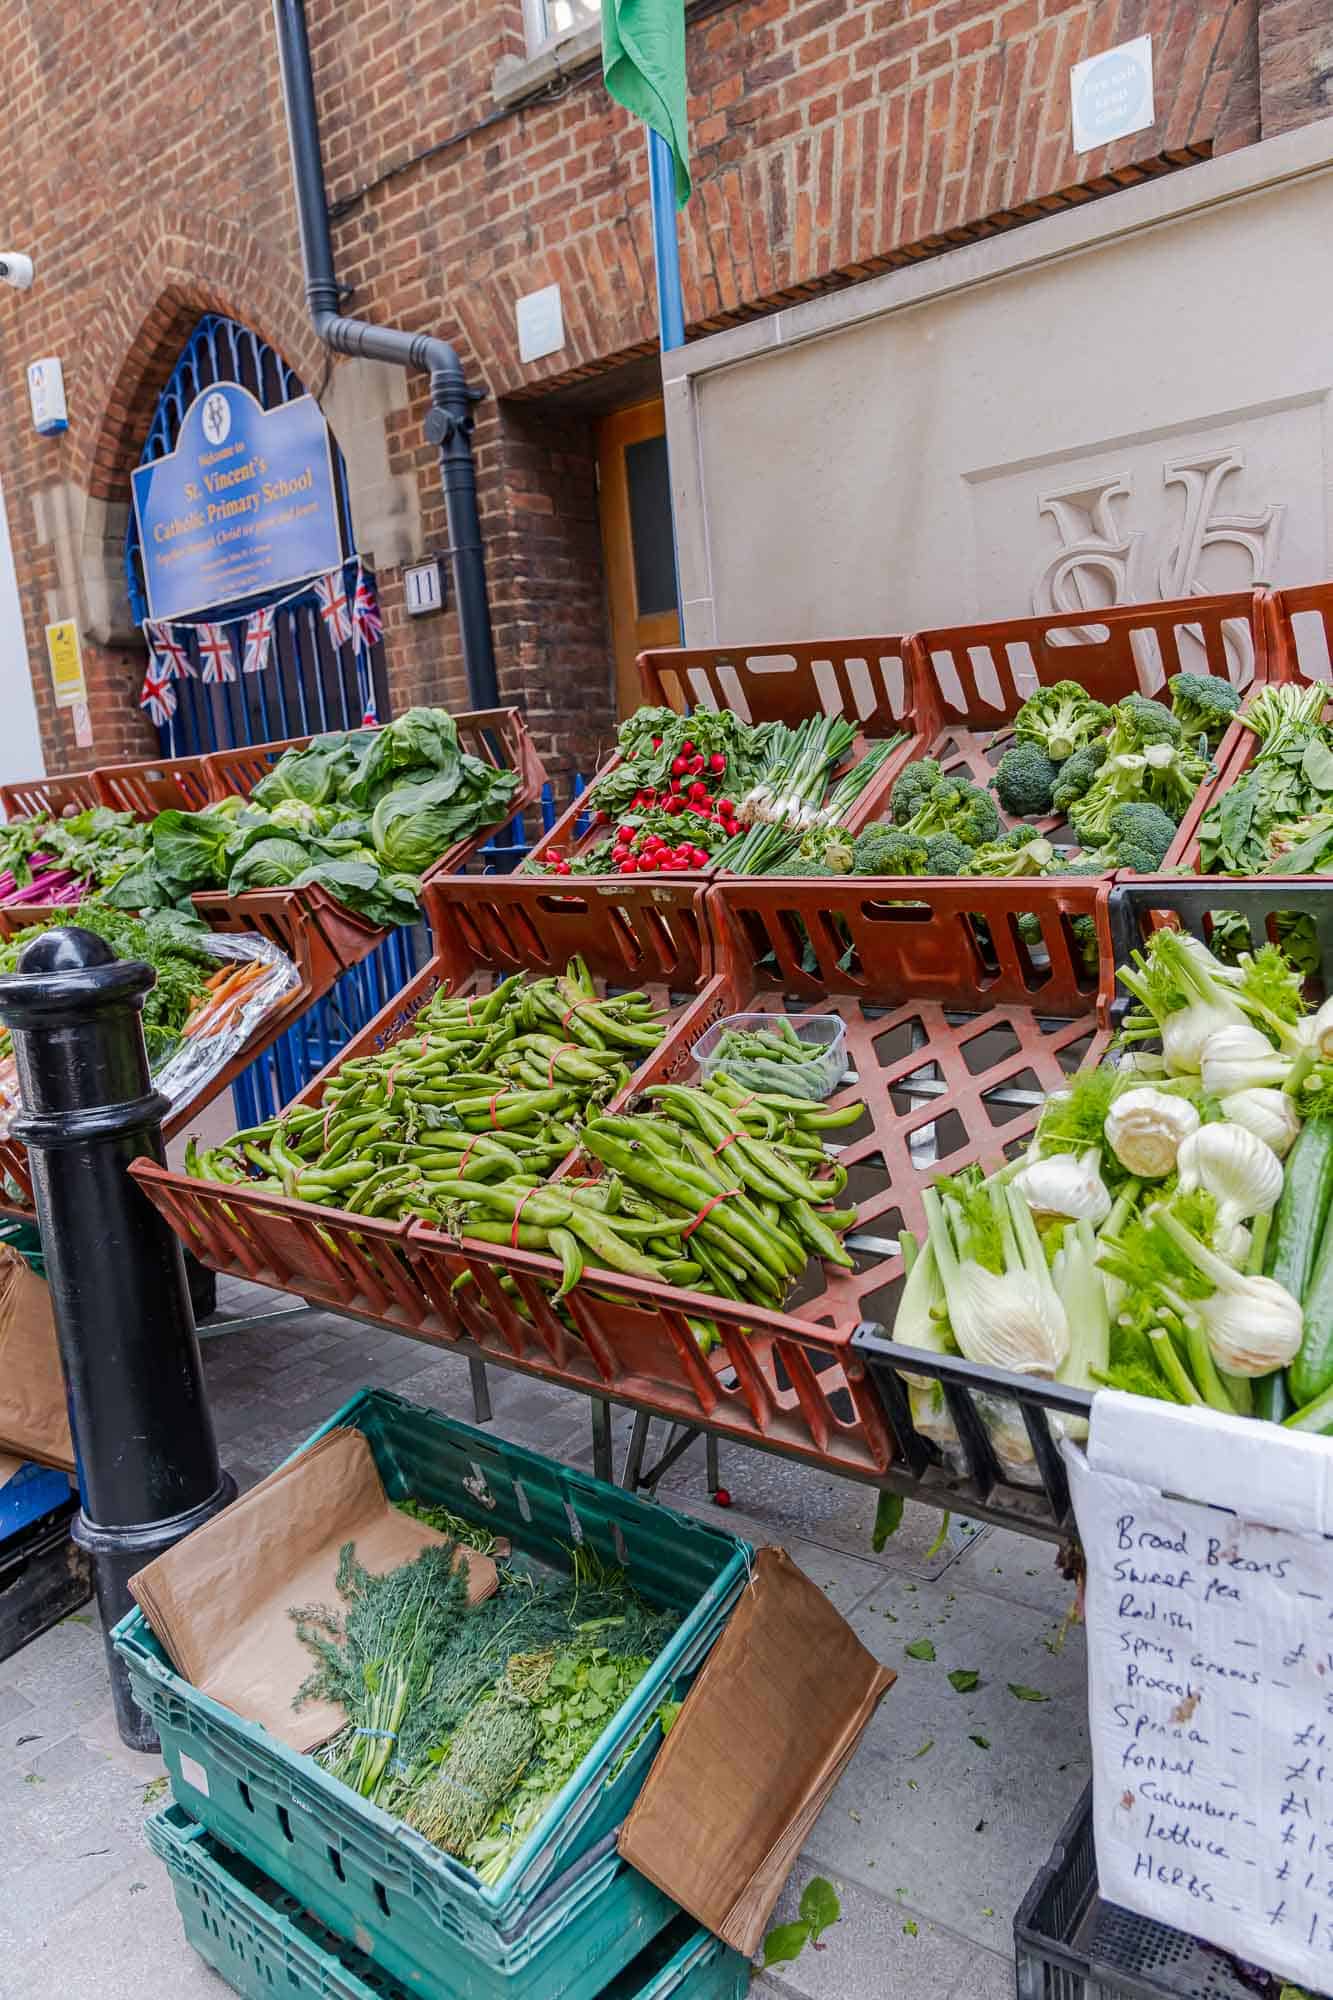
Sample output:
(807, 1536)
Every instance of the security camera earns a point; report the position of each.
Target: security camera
(15, 269)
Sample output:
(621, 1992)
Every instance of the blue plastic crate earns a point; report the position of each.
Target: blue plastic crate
(365, 1874)
(32, 1493)
(263, 1943)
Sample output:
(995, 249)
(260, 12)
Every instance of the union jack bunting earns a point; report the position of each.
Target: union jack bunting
(258, 639)
(334, 609)
(158, 696)
(366, 620)
(169, 656)
(215, 654)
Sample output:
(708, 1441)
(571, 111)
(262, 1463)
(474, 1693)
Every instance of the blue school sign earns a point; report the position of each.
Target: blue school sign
(245, 503)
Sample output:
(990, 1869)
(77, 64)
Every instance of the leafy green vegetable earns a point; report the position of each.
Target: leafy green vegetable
(785, 1942)
(268, 864)
(888, 1519)
(820, 1907)
(920, 1649)
(422, 740)
(963, 1679)
(1021, 1693)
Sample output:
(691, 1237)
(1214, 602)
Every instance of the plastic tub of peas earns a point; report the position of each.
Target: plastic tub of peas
(767, 1052)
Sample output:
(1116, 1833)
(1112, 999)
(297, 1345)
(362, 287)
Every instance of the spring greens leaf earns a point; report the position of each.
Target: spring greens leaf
(819, 1906)
(785, 1942)
(920, 1649)
(963, 1679)
(888, 1519)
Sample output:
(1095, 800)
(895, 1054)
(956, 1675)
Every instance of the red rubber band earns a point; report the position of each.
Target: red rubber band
(495, 1123)
(573, 1047)
(388, 1088)
(744, 1101)
(705, 1212)
(730, 1140)
(474, 1141)
(518, 1213)
(564, 1018)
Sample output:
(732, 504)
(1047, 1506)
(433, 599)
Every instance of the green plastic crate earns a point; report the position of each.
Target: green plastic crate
(365, 1874)
(263, 1943)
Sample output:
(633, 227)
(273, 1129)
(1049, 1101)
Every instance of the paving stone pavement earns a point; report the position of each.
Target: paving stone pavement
(944, 1815)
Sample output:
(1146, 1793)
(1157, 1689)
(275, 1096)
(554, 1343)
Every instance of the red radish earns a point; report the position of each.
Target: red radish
(717, 763)
(687, 749)
(629, 867)
(679, 766)
(626, 833)
(726, 808)
(700, 857)
(699, 792)
(674, 804)
(657, 742)
(696, 765)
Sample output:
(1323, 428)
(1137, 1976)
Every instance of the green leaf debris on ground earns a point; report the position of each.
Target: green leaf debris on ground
(963, 1679)
(1021, 1693)
(920, 1649)
(888, 1519)
(982, 1742)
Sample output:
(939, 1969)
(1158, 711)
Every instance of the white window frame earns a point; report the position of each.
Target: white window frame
(541, 35)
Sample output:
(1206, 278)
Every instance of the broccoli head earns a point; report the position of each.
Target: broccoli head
(1138, 722)
(1002, 857)
(1077, 773)
(1024, 780)
(889, 850)
(955, 805)
(912, 787)
(1162, 774)
(1138, 836)
(1059, 720)
(946, 854)
(802, 865)
(1203, 705)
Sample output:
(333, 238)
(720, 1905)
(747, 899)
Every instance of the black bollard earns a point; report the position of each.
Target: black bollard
(143, 1432)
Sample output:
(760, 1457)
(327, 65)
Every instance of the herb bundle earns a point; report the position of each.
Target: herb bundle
(467, 1720)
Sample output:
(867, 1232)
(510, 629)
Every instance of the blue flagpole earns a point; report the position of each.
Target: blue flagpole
(670, 300)
(666, 242)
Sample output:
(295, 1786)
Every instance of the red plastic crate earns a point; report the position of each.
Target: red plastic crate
(787, 681)
(156, 785)
(940, 1041)
(965, 682)
(498, 736)
(76, 789)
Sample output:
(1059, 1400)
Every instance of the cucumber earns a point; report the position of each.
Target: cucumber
(1303, 1208)
(1271, 1399)
(1301, 1256)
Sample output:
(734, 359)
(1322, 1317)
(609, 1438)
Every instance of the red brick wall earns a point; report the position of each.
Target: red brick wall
(147, 172)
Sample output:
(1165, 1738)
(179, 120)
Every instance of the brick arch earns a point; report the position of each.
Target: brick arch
(180, 269)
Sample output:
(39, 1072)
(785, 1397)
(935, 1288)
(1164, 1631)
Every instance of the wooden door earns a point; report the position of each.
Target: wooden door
(635, 502)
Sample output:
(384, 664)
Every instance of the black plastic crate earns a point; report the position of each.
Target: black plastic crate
(976, 1483)
(43, 1577)
(1070, 1945)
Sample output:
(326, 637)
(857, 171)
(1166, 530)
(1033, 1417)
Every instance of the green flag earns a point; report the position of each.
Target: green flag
(643, 61)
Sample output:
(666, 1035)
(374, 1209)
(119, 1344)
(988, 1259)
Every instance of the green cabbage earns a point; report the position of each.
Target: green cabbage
(190, 849)
(270, 863)
(424, 741)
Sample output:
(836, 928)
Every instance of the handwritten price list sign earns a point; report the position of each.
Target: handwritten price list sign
(1210, 1643)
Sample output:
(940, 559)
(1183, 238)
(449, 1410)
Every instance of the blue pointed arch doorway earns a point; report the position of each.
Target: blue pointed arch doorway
(310, 685)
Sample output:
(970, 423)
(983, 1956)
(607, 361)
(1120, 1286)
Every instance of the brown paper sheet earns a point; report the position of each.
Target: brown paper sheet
(34, 1415)
(220, 1600)
(761, 1741)
(9, 1465)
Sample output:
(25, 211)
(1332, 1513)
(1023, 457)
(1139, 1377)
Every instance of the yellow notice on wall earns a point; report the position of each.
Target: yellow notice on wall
(66, 657)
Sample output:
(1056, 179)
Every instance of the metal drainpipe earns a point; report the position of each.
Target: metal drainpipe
(450, 421)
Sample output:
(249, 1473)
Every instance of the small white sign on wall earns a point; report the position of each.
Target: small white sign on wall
(1112, 94)
(423, 588)
(541, 323)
